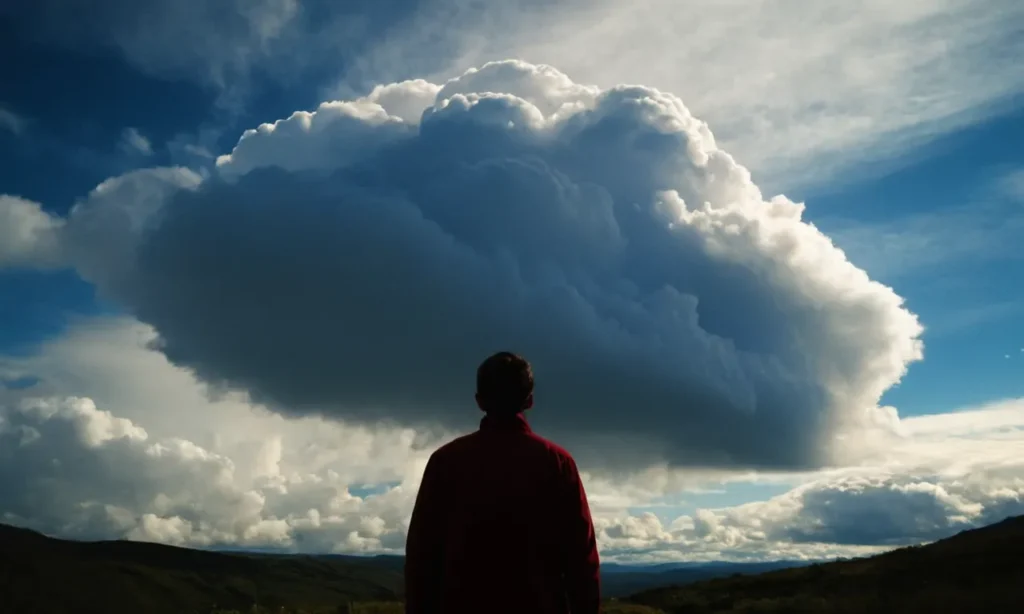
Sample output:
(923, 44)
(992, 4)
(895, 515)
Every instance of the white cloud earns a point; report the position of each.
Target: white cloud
(109, 361)
(11, 121)
(797, 91)
(151, 457)
(853, 516)
(335, 135)
(602, 233)
(133, 142)
(101, 238)
(175, 466)
(69, 468)
(28, 235)
(945, 473)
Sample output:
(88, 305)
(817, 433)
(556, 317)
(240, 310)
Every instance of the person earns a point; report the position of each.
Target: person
(501, 523)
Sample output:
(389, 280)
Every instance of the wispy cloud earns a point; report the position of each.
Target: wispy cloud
(956, 321)
(133, 142)
(796, 90)
(1012, 185)
(12, 122)
(983, 231)
(910, 244)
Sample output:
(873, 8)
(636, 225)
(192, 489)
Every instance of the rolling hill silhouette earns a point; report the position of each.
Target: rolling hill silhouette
(978, 571)
(981, 571)
(43, 575)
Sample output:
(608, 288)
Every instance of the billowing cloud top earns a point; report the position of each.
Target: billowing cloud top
(360, 260)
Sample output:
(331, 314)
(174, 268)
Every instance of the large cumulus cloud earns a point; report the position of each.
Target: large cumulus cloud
(359, 260)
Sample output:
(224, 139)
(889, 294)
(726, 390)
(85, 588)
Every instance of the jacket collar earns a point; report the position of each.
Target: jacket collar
(514, 423)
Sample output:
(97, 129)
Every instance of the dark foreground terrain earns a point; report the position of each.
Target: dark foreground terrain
(40, 575)
(979, 571)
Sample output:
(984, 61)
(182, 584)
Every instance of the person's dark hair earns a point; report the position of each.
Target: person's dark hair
(504, 383)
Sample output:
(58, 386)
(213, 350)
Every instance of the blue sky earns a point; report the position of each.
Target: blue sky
(967, 297)
(913, 168)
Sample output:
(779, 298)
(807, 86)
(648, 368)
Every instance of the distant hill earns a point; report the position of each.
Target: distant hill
(41, 575)
(979, 571)
(46, 575)
(621, 580)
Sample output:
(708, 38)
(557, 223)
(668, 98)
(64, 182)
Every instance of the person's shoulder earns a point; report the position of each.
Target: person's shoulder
(454, 446)
(554, 449)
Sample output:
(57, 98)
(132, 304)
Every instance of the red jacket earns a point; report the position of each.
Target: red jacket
(501, 525)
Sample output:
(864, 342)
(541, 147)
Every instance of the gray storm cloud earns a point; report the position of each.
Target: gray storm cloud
(360, 260)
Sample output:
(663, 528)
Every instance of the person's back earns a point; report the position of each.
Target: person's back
(501, 522)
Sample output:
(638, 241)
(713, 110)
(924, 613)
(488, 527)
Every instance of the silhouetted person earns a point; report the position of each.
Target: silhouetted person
(501, 522)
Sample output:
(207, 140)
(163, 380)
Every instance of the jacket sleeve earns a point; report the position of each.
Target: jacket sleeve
(424, 544)
(582, 564)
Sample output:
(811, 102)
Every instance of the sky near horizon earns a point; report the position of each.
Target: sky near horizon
(765, 259)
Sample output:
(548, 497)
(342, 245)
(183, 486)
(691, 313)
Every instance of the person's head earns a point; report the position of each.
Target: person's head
(504, 384)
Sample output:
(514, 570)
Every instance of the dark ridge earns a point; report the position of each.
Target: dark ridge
(980, 570)
(43, 575)
(976, 571)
